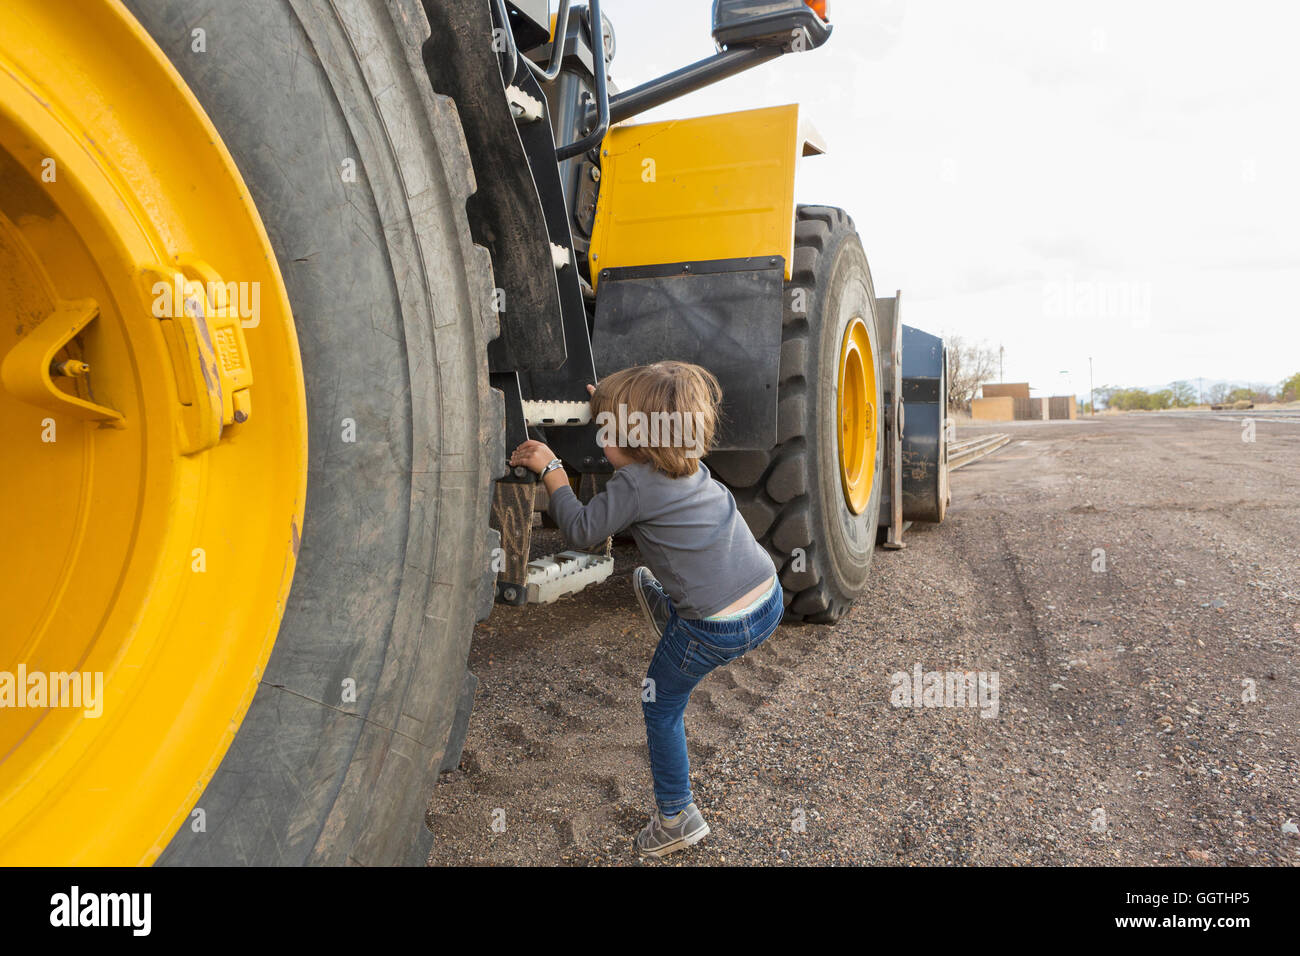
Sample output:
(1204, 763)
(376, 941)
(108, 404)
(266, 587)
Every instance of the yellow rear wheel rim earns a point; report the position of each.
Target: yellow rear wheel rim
(856, 413)
(155, 533)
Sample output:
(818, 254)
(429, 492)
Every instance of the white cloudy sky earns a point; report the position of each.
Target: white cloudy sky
(1106, 179)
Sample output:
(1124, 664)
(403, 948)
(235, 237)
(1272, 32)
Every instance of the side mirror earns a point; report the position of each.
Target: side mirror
(791, 24)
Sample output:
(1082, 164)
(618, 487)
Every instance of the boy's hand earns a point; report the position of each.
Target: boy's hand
(533, 455)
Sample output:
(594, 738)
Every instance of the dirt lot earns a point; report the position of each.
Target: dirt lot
(1122, 734)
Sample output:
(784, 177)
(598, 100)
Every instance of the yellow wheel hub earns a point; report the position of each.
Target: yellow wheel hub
(856, 401)
(153, 509)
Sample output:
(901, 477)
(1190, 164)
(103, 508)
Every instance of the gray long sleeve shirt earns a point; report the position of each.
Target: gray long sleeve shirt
(688, 530)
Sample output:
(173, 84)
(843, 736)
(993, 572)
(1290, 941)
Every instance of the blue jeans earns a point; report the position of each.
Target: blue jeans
(688, 650)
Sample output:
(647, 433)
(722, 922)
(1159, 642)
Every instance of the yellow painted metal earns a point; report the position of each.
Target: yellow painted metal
(714, 187)
(26, 370)
(200, 316)
(157, 552)
(856, 411)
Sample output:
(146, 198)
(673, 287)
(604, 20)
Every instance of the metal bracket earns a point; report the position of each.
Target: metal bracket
(205, 339)
(27, 367)
(512, 515)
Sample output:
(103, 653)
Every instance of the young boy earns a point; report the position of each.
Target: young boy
(710, 592)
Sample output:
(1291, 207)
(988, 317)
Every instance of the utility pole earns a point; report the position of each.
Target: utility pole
(1092, 392)
(1001, 376)
(1200, 390)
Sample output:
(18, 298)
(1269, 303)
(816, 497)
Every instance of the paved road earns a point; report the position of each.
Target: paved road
(1146, 711)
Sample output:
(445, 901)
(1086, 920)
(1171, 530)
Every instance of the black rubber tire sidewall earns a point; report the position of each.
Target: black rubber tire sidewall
(849, 539)
(394, 538)
(791, 495)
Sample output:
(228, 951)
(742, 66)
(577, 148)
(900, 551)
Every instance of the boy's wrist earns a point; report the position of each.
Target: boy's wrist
(555, 479)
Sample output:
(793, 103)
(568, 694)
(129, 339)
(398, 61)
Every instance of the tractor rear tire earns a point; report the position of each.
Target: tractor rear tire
(792, 496)
(360, 174)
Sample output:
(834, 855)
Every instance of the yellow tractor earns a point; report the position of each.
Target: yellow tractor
(281, 281)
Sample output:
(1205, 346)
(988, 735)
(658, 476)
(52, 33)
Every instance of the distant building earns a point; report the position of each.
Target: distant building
(1006, 390)
(1011, 401)
(1062, 406)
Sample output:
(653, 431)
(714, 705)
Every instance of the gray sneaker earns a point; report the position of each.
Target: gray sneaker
(664, 835)
(655, 604)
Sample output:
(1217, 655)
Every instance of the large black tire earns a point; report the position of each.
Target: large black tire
(392, 302)
(791, 496)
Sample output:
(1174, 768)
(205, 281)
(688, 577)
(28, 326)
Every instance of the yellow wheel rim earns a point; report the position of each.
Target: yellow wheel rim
(156, 509)
(856, 400)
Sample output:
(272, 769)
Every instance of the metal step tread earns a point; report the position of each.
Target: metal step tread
(568, 572)
(556, 413)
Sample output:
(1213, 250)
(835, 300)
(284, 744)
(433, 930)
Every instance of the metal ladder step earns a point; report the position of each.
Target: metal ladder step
(559, 575)
(524, 108)
(552, 414)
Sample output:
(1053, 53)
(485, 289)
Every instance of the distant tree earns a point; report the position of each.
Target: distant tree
(1161, 399)
(1130, 399)
(1104, 395)
(970, 365)
(1184, 394)
(1289, 390)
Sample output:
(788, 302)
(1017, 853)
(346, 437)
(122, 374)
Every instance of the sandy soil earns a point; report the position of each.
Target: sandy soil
(1125, 731)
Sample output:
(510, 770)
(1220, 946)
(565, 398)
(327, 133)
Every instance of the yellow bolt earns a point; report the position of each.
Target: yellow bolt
(71, 368)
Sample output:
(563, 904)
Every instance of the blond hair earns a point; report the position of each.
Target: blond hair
(665, 414)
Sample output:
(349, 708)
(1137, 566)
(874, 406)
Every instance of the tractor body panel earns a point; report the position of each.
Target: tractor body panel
(714, 187)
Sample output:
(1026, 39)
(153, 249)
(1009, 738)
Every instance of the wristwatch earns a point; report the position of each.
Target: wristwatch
(550, 467)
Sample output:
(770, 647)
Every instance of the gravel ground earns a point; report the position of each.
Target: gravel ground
(1121, 734)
